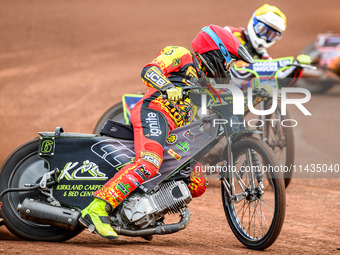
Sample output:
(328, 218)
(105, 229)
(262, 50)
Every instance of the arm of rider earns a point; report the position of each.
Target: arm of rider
(153, 77)
(294, 70)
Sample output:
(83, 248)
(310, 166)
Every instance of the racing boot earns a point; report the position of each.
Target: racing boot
(96, 218)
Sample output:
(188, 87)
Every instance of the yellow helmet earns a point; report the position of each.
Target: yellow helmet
(266, 26)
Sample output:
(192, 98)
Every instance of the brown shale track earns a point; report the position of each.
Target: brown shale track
(63, 63)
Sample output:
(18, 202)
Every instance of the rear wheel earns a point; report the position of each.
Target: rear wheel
(277, 134)
(22, 167)
(253, 196)
(280, 138)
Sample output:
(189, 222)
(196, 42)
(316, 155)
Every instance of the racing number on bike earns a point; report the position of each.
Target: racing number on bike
(46, 146)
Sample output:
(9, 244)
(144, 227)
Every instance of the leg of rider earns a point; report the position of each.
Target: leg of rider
(150, 132)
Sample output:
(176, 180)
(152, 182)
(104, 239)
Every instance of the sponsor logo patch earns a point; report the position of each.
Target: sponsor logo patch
(124, 188)
(172, 138)
(152, 158)
(87, 171)
(155, 77)
(133, 180)
(113, 194)
(174, 154)
(185, 147)
(142, 172)
(168, 52)
(189, 136)
(153, 122)
(176, 62)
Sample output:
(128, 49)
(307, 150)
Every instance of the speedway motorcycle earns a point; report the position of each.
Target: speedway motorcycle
(264, 72)
(46, 182)
(322, 51)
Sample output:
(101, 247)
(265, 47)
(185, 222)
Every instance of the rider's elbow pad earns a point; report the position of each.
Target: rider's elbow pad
(153, 76)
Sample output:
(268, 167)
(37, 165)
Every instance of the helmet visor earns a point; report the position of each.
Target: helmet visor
(264, 31)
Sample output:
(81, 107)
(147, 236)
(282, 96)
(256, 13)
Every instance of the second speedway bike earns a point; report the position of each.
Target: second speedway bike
(322, 51)
(46, 182)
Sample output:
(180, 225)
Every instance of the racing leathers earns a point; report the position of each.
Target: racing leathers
(153, 118)
(287, 77)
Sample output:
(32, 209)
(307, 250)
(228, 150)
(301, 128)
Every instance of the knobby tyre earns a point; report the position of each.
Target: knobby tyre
(22, 167)
(256, 220)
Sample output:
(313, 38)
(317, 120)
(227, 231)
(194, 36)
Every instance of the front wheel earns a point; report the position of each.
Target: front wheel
(22, 167)
(253, 194)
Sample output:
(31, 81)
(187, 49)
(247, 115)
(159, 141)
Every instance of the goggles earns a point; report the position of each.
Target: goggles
(263, 30)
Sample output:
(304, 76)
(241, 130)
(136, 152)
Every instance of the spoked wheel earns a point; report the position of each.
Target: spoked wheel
(114, 113)
(22, 167)
(254, 196)
(280, 138)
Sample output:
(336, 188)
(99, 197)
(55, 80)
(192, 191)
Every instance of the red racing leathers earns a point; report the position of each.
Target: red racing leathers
(152, 119)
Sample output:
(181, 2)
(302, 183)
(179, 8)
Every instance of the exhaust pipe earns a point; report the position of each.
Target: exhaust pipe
(67, 218)
(159, 230)
(43, 213)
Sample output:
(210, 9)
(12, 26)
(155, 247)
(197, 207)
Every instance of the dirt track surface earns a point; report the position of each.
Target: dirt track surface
(63, 63)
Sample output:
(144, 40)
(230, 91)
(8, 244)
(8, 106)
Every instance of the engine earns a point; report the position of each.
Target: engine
(141, 210)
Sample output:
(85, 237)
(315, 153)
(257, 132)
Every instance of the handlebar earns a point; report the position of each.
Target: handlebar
(303, 66)
(258, 92)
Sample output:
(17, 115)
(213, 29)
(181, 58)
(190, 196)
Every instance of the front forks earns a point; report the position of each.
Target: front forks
(250, 166)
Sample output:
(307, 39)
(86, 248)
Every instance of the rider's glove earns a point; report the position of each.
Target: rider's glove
(304, 59)
(174, 94)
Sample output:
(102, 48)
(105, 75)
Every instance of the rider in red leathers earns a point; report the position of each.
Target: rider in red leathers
(154, 117)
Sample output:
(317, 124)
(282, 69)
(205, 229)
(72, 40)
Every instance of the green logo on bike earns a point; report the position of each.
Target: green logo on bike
(185, 147)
